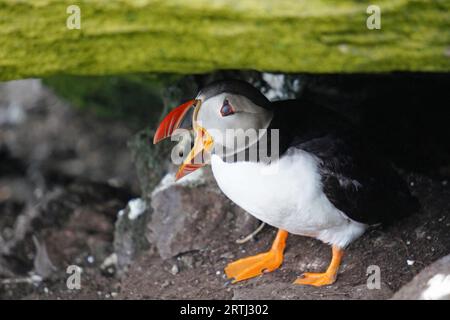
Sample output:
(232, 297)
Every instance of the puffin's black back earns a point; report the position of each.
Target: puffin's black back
(355, 176)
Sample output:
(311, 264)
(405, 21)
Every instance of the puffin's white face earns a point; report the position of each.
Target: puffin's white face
(224, 119)
(233, 121)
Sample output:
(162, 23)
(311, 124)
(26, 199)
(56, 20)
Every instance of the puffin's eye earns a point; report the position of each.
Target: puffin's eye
(226, 109)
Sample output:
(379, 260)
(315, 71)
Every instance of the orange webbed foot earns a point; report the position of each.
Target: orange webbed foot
(326, 278)
(316, 279)
(254, 266)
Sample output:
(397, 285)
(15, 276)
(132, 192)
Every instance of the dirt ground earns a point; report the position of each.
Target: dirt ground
(400, 251)
(53, 215)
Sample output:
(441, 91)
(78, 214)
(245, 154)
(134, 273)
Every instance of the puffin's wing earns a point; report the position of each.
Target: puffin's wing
(356, 182)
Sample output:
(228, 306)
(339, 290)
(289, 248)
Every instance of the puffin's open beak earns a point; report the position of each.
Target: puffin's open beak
(196, 158)
(203, 143)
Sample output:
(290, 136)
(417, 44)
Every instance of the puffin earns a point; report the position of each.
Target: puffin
(295, 165)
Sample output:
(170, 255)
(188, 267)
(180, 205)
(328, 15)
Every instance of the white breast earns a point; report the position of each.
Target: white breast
(286, 194)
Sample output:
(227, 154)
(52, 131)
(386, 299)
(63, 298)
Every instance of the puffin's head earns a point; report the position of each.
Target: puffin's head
(221, 111)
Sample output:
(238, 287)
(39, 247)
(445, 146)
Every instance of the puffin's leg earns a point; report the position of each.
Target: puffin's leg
(327, 277)
(253, 266)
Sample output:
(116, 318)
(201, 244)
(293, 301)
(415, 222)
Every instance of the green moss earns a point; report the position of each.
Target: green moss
(203, 35)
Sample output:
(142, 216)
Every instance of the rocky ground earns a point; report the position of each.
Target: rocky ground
(69, 195)
(197, 257)
(63, 179)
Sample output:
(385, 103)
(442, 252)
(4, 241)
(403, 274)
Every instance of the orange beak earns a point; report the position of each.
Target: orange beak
(203, 141)
(172, 121)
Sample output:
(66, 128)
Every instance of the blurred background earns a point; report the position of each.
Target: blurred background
(82, 185)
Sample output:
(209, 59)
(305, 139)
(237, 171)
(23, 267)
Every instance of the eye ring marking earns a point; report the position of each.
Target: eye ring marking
(226, 109)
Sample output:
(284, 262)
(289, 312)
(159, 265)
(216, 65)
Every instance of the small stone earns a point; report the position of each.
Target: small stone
(136, 208)
(90, 259)
(36, 278)
(109, 261)
(227, 255)
(174, 269)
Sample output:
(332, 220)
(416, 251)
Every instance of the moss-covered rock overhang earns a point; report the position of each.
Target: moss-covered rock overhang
(197, 36)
